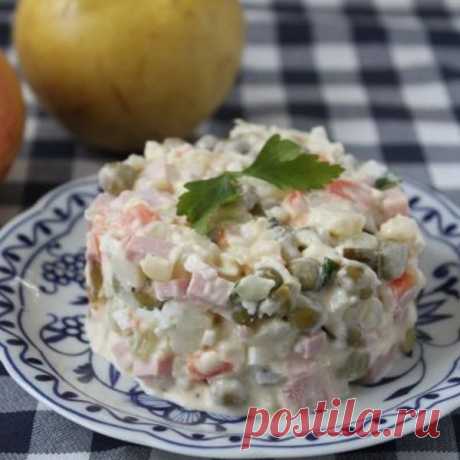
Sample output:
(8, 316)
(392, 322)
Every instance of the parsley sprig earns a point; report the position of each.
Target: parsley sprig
(281, 162)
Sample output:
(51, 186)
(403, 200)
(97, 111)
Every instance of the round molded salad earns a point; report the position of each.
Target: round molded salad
(269, 269)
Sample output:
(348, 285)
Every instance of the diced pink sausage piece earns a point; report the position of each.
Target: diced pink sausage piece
(357, 192)
(122, 353)
(156, 170)
(214, 291)
(297, 202)
(164, 365)
(304, 387)
(100, 205)
(380, 367)
(310, 346)
(143, 368)
(394, 203)
(122, 198)
(120, 348)
(194, 264)
(297, 207)
(139, 214)
(155, 367)
(309, 381)
(137, 247)
(174, 289)
(244, 332)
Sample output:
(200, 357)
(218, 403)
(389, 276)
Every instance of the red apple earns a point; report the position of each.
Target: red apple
(12, 116)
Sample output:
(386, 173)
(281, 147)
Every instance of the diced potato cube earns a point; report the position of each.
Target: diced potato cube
(336, 222)
(209, 338)
(404, 230)
(254, 288)
(157, 268)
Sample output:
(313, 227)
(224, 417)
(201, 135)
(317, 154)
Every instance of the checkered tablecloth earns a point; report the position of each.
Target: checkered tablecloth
(382, 75)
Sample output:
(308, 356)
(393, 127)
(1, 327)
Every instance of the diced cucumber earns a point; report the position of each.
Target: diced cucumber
(307, 271)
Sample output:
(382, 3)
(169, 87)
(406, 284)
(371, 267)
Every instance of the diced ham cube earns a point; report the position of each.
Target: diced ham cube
(122, 354)
(243, 332)
(156, 366)
(175, 289)
(121, 347)
(358, 193)
(194, 264)
(214, 291)
(121, 200)
(297, 207)
(100, 205)
(394, 203)
(380, 367)
(310, 346)
(137, 247)
(139, 214)
(297, 201)
(164, 365)
(309, 381)
(304, 387)
(143, 368)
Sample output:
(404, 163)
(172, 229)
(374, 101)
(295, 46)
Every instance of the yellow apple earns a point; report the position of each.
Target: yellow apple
(119, 72)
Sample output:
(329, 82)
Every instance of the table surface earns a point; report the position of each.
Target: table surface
(383, 76)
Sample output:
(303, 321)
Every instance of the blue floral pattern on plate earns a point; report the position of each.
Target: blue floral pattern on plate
(42, 309)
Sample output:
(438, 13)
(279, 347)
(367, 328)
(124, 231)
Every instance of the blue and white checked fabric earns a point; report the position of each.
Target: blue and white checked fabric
(383, 76)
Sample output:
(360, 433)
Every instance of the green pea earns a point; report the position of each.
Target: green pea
(146, 300)
(366, 293)
(363, 255)
(355, 337)
(355, 367)
(283, 296)
(307, 271)
(95, 276)
(355, 272)
(304, 317)
(241, 316)
(409, 341)
(116, 285)
(122, 177)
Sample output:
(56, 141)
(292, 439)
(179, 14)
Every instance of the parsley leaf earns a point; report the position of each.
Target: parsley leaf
(205, 197)
(284, 164)
(388, 181)
(328, 269)
(281, 162)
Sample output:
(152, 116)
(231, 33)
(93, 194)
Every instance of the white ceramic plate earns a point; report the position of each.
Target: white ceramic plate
(44, 347)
